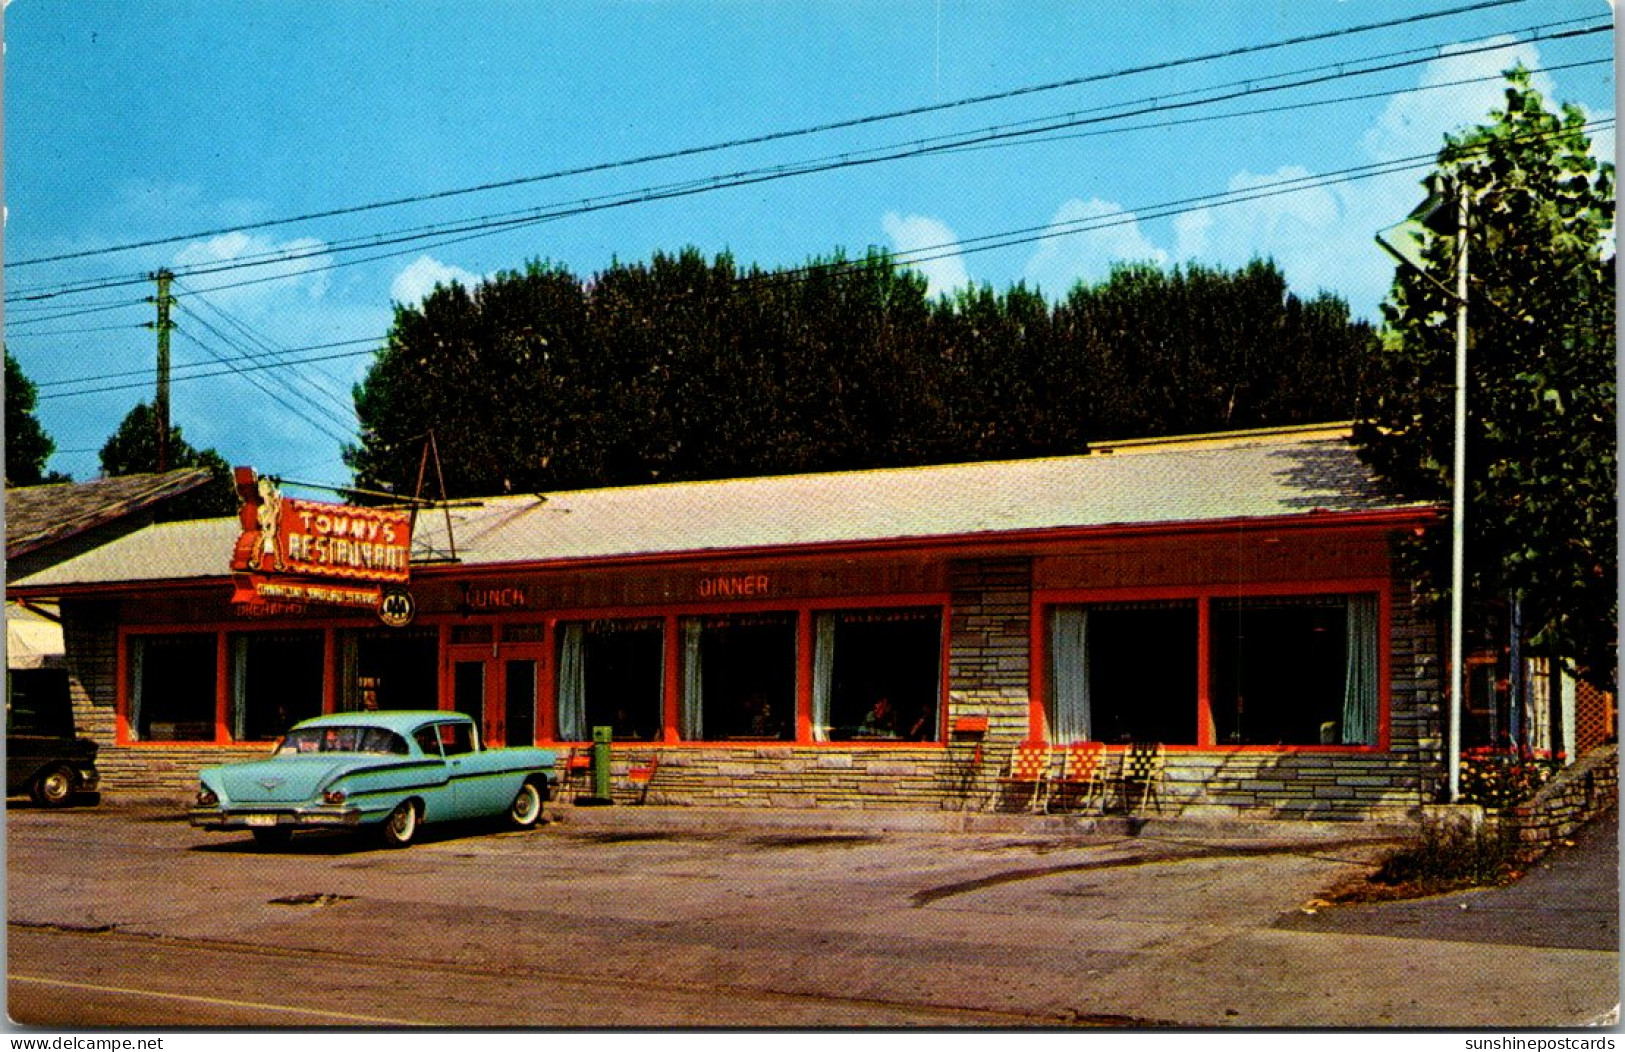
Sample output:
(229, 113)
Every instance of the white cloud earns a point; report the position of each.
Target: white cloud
(422, 275)
(1109, 235)
(300, 264)
(945, 272)
(1414, 123)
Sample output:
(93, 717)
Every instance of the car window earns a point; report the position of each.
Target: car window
(457, 738)
(428, 740)
(379, 740)
(341, 739)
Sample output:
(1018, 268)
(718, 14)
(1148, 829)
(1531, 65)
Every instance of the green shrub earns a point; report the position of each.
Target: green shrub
(1443, 859)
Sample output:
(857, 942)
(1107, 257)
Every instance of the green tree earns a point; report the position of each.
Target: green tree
(1541, 466)
(28, 447)
(686, 368)
(133, 450)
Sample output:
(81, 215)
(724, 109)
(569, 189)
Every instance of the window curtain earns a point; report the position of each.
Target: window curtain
(691, 724)
(349, 672)
(1069, 675)
(138, 663)
(823, 674)
(572, 684)
(239, 688)
(1360, 690)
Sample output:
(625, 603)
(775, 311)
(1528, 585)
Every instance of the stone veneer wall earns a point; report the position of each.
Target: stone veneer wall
(90, 638)
(989, 677)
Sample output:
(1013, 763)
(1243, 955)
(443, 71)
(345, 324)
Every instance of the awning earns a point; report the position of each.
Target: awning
(32, 640)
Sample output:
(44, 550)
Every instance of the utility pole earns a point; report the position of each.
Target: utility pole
(160, 402)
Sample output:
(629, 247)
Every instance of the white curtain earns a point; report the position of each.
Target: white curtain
(138, 662)
(1360, 691)
(691, 722)
(572, 684)
(823, 673)
(239, 688)
(349, 671)
(1069, 675)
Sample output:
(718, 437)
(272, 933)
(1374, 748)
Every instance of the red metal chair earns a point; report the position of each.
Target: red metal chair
(1028, 766)
(1082, 779)
(639, 776)
(576, 777)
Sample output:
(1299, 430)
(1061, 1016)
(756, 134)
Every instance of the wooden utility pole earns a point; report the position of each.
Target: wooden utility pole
(160, 402)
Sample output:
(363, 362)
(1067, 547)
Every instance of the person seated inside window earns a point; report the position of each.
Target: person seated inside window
(759, 719)
(881, 720)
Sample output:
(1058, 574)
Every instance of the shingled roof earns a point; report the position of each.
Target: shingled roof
(1265, 476)
(37, 516)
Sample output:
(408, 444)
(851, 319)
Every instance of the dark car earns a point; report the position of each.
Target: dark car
(44, 757)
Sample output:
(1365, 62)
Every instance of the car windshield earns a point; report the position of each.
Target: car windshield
(342, 739)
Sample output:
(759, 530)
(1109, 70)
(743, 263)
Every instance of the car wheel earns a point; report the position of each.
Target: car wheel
(53, 787)
(401, 826)
(273, 837)
(527, 807)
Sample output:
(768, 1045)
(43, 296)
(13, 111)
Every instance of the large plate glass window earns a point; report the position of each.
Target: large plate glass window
(172, 687)
(876, 674)
(276, 681)
(739, 677)
(1295, 670)
(610, 674)
(389, 668)
(1121, 672)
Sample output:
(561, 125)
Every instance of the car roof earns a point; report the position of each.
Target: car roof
(401, 721)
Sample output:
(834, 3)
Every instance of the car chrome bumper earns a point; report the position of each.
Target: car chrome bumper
(289, 817)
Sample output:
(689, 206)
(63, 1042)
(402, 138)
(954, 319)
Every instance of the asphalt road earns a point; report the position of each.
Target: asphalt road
(131, 918)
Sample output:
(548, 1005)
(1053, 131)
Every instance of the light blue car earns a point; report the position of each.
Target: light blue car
(384, 771)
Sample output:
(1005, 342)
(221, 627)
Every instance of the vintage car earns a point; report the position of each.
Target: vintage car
(44, 757)
(388, 772)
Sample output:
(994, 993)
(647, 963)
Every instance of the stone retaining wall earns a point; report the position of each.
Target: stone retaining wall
(1578, 794)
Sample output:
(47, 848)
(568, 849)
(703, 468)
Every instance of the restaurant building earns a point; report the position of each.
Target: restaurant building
(1233, 597)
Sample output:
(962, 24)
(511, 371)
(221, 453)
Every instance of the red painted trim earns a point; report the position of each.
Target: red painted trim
(804, 675)
(671, 701)
(1206, 735)
(330, 669)
(1043, 541)
(1203, 596)
(222, 688)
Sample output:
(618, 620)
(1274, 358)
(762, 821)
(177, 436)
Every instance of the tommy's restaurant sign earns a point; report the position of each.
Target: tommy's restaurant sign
(302, 550)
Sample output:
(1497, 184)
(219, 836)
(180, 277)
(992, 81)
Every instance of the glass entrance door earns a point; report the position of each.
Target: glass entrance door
(468, 691)
(519, 693)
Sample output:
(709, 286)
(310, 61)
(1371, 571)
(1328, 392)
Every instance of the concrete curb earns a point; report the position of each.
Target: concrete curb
(655, 818)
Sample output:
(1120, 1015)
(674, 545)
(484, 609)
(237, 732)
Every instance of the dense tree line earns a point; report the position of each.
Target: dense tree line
(691, 368)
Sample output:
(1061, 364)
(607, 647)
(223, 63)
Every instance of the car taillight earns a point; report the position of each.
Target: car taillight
(206, 797)
(333, 796)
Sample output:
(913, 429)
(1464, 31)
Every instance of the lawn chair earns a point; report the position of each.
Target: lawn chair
(1028, 766)
(1082, 778)
(639, 776)
(576, 778)
(1143, 764)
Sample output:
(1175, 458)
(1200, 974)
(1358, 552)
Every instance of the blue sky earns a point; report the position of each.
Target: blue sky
(140, 122)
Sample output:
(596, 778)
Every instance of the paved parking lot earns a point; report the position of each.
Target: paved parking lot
(639, 918)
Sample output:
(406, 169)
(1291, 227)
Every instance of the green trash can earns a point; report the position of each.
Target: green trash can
(601, 737)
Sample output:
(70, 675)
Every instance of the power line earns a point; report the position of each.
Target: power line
(266, 345)
(323, 411)
(1261, 191)
(79, 332)
(981, 243)
(233, 367)
(779, 136)
(252, 379)
(460, 231)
